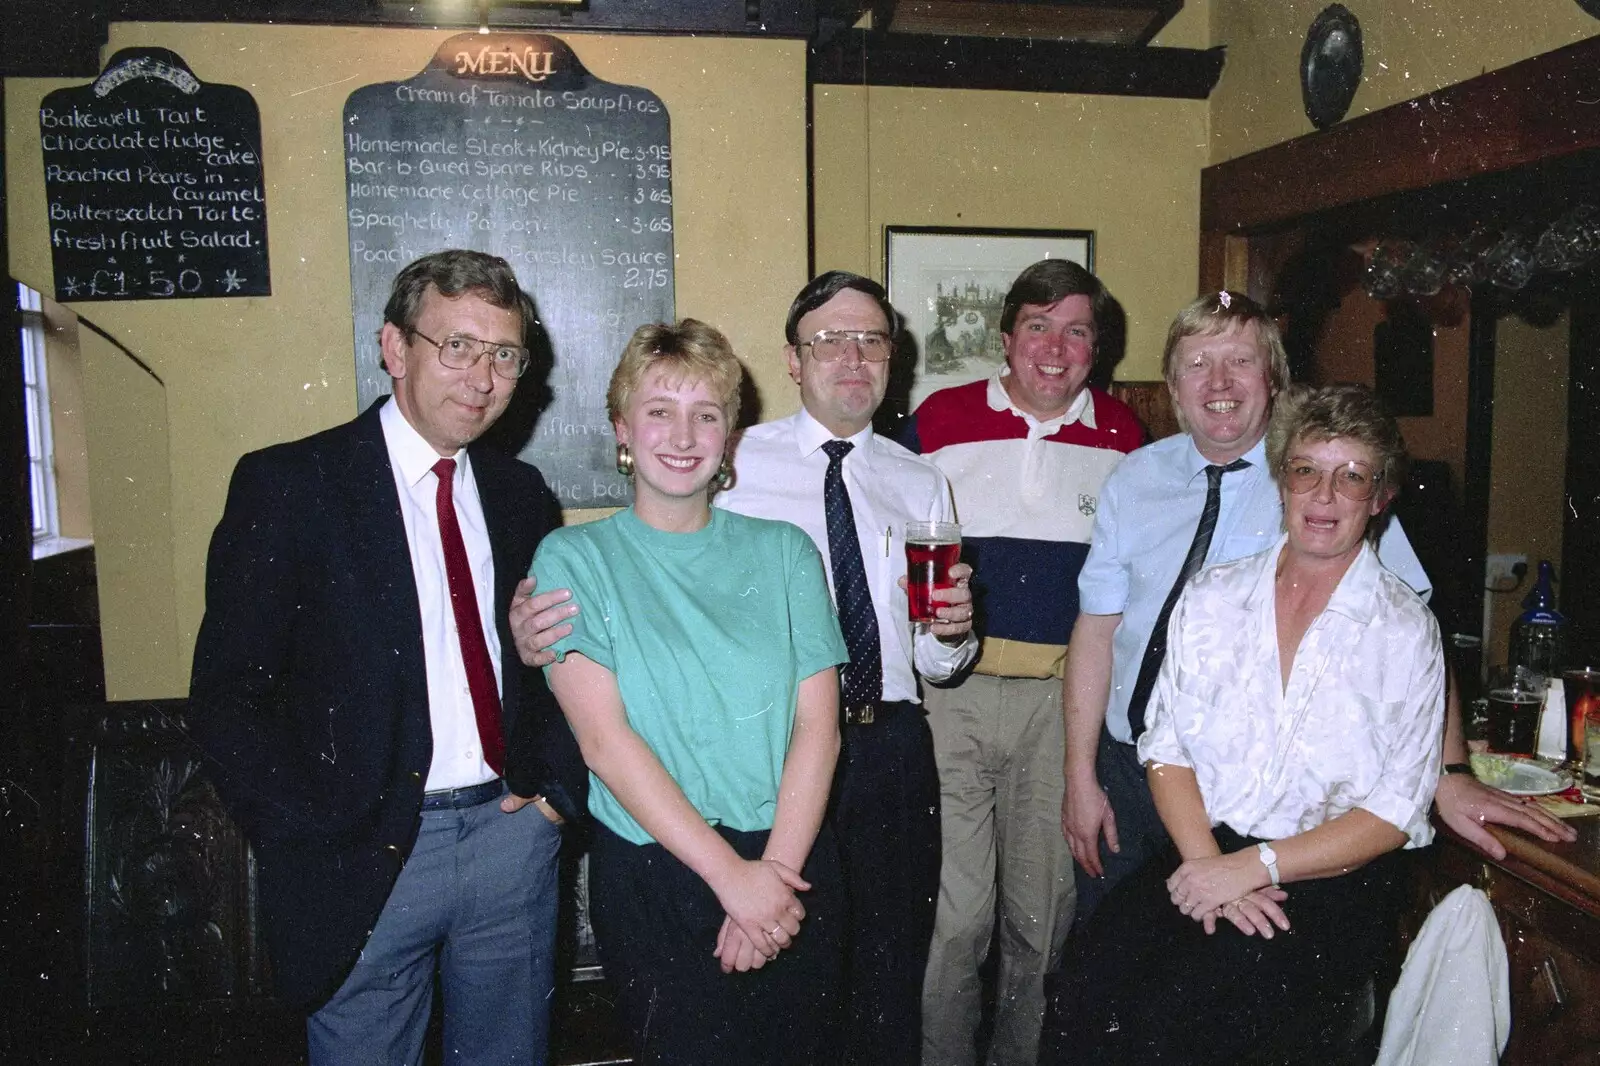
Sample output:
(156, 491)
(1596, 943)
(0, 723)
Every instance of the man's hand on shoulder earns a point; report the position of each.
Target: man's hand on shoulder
(1467, 806)
(538, 621)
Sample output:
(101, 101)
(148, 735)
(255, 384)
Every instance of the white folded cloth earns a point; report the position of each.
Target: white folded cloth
(1452, 1004)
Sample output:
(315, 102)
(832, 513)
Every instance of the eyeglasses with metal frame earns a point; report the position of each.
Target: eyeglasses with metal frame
(873, 345)
(461, 351)
(1354, 480)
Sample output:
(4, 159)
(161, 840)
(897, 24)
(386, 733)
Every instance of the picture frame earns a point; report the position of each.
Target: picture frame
(949, 284)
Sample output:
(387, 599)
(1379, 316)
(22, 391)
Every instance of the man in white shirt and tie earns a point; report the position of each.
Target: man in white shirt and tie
(823, 462)
(397, 769)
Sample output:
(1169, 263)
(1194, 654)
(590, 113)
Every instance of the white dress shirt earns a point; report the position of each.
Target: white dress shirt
(1359, 724)
(779, 467)
(457, 751)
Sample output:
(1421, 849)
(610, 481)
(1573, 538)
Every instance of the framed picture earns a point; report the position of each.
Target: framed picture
(950, 283)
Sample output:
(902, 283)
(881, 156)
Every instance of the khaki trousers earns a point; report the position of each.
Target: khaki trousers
(1000, 744)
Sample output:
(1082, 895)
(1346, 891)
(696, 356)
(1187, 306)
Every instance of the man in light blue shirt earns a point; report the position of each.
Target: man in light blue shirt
(1224, 362)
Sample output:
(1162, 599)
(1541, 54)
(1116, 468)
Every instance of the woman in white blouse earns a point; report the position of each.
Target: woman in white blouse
(1292, 749)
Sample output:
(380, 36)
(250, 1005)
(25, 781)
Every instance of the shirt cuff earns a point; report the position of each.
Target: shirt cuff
(1402, 812)
(1154, 746)
(938, 661)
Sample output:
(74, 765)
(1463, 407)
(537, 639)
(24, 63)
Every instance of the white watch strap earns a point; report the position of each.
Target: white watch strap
(1269, 859)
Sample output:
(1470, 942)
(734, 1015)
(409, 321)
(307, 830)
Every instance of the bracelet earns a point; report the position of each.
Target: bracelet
(1457, 768)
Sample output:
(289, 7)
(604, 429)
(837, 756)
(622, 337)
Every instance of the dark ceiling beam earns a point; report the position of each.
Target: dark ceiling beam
(52, 40)
(1165, 12)
(63, 38)
(882, 16)
(836, 16)
(1534, 110)
(927, 62)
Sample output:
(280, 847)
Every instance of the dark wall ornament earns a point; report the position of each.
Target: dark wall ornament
(1330, 65)
(155, 184)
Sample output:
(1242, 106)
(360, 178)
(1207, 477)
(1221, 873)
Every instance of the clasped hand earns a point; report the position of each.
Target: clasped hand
(1234, 887)
(763, 913)
(954, 612)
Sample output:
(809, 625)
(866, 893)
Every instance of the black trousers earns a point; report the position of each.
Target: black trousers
(656, 924)
(1140, 834)
(1144, 984)
(886, 817)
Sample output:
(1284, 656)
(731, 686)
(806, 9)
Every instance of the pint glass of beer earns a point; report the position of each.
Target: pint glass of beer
(932, 548)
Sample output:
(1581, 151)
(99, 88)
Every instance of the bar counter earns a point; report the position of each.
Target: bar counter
(1547, 900)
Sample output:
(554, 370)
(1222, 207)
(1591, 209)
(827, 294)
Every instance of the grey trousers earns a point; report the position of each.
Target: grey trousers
(476, 901)
(1000, 744)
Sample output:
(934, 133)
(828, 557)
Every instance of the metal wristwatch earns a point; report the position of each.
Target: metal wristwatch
(1269, 859)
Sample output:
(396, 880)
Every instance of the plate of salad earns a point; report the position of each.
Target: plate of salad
(1519, 776)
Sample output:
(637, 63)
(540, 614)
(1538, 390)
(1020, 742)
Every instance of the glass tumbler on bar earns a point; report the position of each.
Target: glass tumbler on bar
(1515, 699)
(1589, 783)
(932, 548)
(1582, 687)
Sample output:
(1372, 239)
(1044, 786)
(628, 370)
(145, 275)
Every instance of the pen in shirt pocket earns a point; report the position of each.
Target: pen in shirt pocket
(887, 532)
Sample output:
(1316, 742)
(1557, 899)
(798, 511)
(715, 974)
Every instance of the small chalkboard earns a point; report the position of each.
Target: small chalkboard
(506, 144)
(154, 183)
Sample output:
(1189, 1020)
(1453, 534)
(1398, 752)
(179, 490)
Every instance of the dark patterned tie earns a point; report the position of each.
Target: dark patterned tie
(469, 625)
(863, 678)
(1156, 650)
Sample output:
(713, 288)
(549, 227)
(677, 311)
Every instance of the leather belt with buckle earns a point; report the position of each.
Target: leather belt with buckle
(861, 714)
(469, 796)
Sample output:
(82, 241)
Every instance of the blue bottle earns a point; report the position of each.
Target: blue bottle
(1539, 635)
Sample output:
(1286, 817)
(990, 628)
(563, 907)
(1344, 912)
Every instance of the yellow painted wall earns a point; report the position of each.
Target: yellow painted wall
(131, 492)
(1411, 47)
(1527, 476)
(243, 373)
(1124, 167)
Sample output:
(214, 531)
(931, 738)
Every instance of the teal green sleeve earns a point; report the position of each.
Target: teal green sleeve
(813, 624)
(566, 561)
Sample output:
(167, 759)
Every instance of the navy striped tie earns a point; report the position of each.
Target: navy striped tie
(1156, 650)
(863, 678)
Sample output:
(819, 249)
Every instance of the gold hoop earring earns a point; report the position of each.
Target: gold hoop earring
(624, 461)
(724, 478)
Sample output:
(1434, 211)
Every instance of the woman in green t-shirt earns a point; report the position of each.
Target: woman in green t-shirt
(700, 682)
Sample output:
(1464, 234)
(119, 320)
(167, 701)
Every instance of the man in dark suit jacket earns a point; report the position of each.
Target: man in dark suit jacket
(361, 702)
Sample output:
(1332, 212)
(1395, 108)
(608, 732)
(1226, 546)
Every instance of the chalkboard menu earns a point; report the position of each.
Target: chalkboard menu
(506, 144)
(154, 184)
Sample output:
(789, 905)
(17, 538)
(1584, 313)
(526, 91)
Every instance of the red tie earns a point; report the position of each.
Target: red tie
(469, 627)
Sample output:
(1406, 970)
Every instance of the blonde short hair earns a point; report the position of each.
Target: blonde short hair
(1306, 414)
(1216, 313)
(691, 350)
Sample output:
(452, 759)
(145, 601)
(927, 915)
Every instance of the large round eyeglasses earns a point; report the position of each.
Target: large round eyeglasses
(828, 345)
(461, 351)
(1354, 480)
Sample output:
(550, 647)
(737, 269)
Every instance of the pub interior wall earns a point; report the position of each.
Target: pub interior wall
(1345, 353)
(243, 373)
(1410, 49)
(1527, 493)
(1127, 168)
